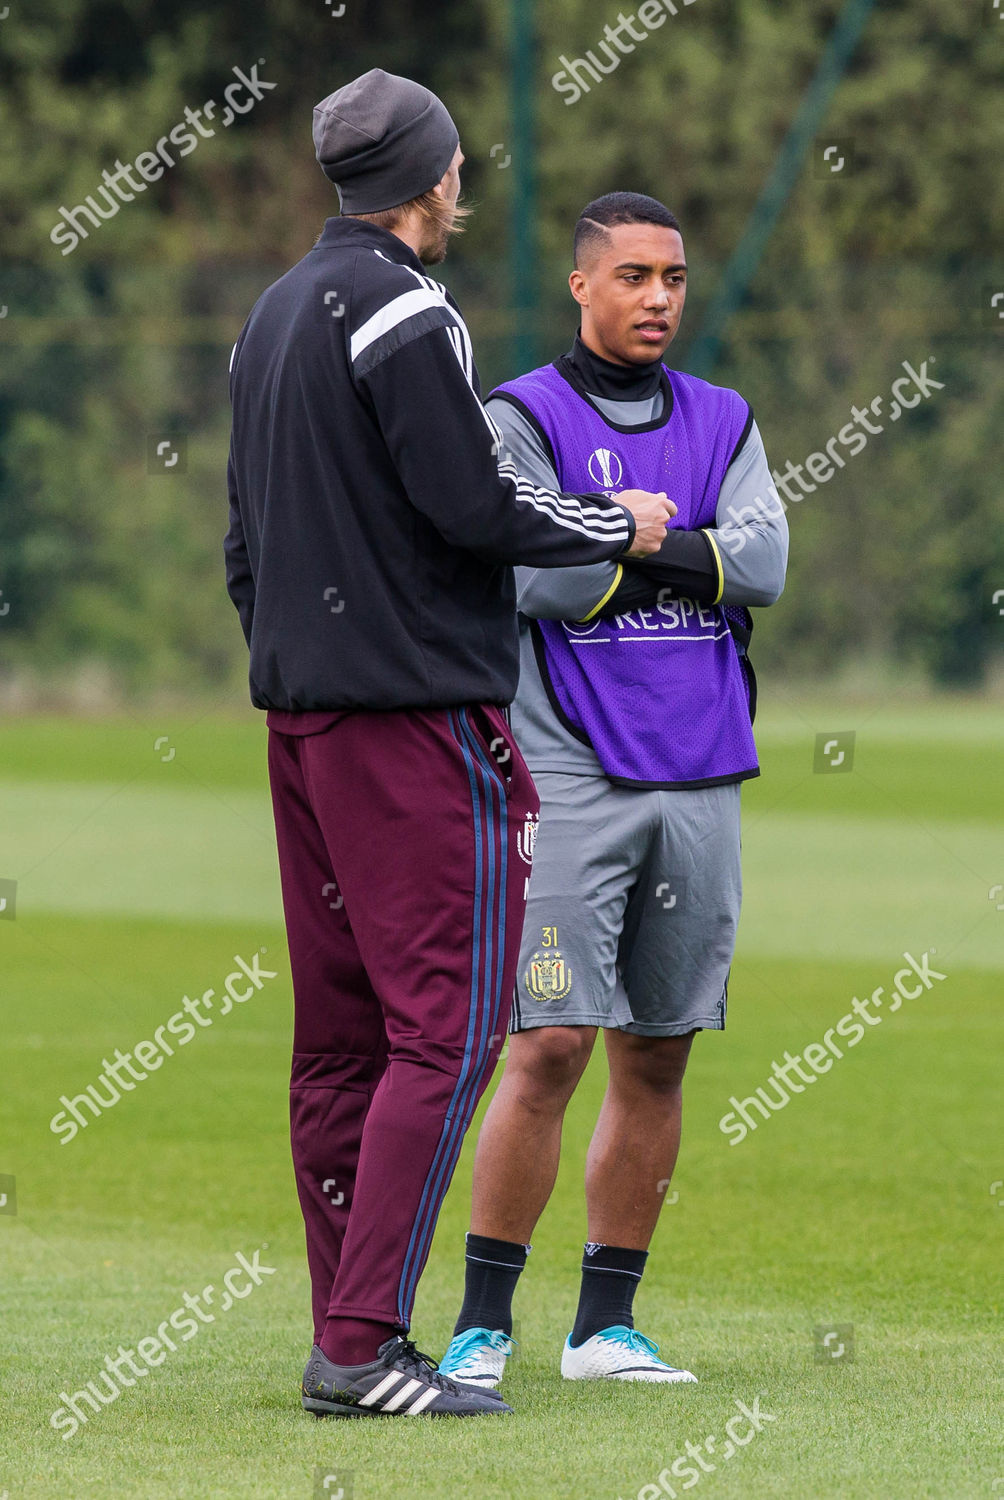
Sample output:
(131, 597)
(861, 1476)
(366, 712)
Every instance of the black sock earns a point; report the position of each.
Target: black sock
(610, 1279)
(493, 1268)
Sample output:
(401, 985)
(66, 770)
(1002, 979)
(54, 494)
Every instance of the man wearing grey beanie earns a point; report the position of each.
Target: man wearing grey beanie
(374, 526)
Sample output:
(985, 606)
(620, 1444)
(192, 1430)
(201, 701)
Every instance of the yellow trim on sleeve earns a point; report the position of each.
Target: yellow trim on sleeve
(608, 595)
(718, 564)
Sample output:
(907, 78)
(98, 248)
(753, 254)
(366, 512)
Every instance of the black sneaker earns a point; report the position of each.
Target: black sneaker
(400, 1382)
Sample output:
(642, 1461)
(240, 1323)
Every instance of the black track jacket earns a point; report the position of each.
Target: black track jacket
(373, 520)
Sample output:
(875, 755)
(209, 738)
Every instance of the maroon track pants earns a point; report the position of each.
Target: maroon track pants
(402, 854)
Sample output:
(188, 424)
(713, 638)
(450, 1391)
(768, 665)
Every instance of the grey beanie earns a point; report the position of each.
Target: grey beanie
(383, 140)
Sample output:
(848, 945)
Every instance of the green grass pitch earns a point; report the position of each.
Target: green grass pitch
(871, 1206)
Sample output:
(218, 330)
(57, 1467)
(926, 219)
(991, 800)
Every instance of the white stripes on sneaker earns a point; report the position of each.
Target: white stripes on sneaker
(404, 1393)
(408, 1388)
(387, 1384)
(426, 1399)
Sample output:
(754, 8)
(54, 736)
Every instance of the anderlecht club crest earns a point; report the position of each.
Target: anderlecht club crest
(548, 977)
(527, 837)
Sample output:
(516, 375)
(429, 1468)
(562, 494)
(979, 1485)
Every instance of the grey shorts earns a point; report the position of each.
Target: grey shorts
(633, 907)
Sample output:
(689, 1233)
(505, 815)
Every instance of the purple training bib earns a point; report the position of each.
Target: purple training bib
(660, 694)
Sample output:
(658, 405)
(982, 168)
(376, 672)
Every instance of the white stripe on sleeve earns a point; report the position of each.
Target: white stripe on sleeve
(589, 520)
(408, 305)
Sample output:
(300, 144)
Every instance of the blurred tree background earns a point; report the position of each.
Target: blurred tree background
(111, 565)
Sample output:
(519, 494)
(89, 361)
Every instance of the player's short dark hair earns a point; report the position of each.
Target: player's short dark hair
(617, 208)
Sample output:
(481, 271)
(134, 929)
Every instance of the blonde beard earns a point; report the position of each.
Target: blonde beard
(434, 252)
